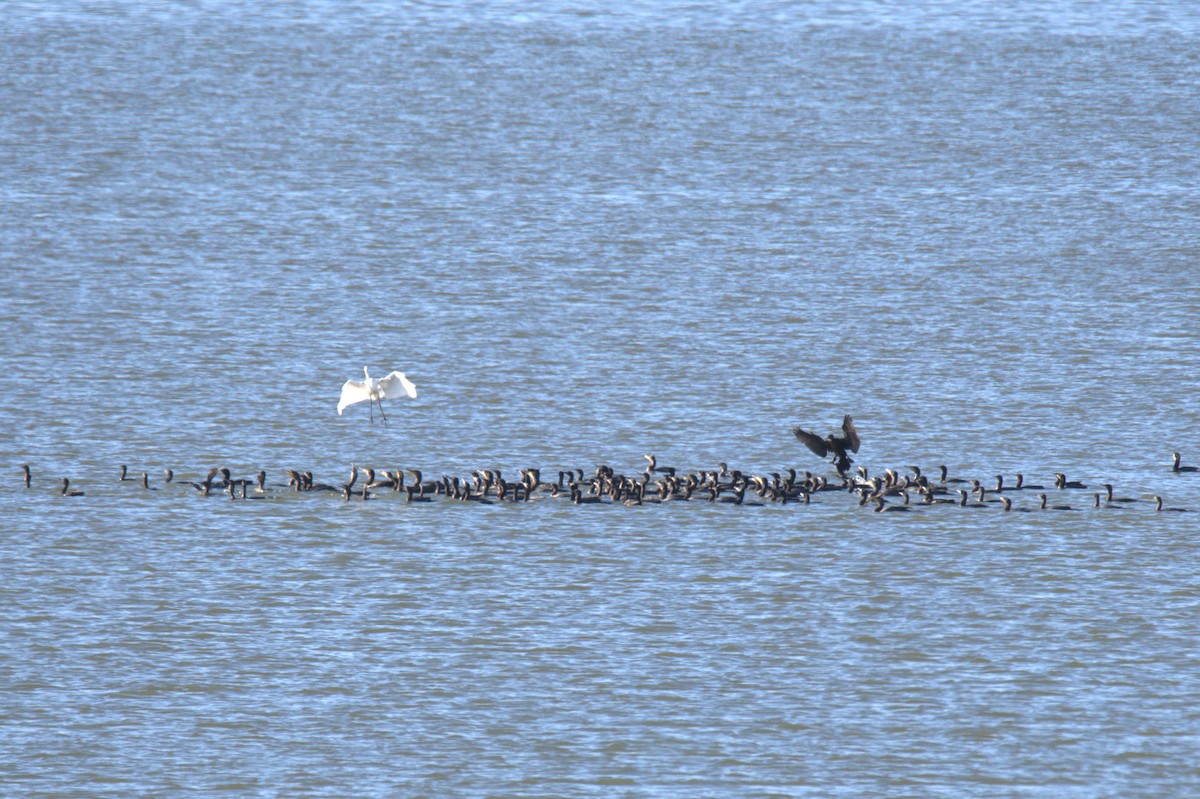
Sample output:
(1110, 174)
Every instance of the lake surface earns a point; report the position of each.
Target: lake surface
(588, 234)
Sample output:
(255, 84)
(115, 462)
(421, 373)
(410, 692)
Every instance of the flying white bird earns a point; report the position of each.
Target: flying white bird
(375, 390)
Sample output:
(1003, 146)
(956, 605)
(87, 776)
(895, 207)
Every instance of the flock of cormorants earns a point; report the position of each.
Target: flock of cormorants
(890, 491)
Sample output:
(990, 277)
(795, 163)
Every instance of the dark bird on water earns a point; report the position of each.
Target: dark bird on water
(881, 506)
(1021, 484)
(1158, 505)
(1008, 506)
(839, 446)
(652, 466)
(1044, 506)
(1110, 498)
(946, 479)
(1176, 467)
(1061, 481)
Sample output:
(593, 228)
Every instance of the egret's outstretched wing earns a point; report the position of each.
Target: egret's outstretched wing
(811, 440)
(397, 385)
(851, 434)
(353, 391)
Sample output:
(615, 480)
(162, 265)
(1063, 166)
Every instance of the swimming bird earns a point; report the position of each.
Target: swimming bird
(422, 486)
(374, 390)
(28, 474)
(307, 484)
(1022, 485)
(737, 498)
(839, 446)
(123, 477)
(1158, 505)
(255, 495)
(1061, 481)
(204, 486)
(1175, 467)
(146, 482)
(67, 491)
(652, 466)
(579, 498)
(962, 500)
(945, 479)
(1044, 506)
(347, 488)
(929, 497)
(1110, 498)
(412, 493)
(1008, 506)
(228, 479)
(881, 506)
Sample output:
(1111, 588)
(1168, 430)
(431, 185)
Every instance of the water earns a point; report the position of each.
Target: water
(590, 234)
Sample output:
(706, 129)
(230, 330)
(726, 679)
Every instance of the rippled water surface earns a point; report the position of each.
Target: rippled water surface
(588, 234)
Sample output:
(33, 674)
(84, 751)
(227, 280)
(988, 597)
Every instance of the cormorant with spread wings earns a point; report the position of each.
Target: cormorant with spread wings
(839, 446)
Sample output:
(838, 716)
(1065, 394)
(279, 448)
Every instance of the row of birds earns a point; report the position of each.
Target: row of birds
(838, 446)
(889, 491)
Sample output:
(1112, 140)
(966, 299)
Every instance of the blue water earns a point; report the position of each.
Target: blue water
(588, 234)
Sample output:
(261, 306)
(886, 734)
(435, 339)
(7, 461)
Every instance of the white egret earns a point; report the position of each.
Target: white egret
(375, 390)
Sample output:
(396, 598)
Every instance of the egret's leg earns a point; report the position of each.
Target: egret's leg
(381, 413)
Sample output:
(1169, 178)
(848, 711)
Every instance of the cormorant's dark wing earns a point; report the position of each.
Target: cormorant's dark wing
(851, 434)
(811, 440)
